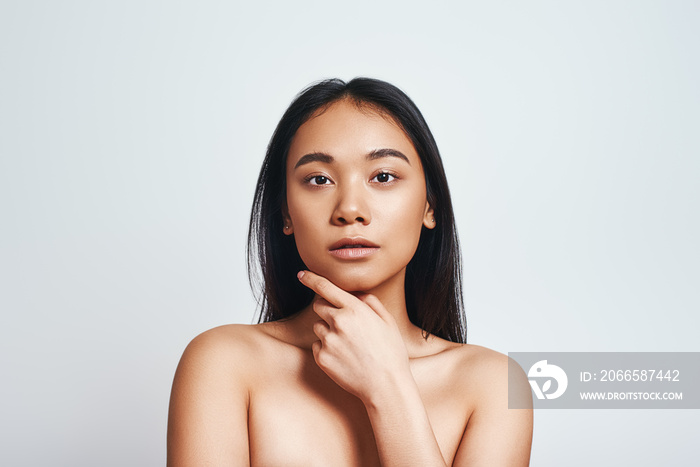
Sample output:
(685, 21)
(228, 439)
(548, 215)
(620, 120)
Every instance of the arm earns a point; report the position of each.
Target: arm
(401, 427)
(496, 435)
(361, 348)
(208, 418)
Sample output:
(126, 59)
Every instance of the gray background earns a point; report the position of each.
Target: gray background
(131, 134)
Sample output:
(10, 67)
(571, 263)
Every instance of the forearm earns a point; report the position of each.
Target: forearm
(401, 426)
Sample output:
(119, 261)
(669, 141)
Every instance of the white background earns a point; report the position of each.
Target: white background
(131, 135)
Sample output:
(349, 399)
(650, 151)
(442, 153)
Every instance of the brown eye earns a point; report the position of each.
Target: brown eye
(384, 177)
(319, 180)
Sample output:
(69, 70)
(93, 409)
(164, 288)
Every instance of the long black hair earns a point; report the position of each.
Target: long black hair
(433, 284)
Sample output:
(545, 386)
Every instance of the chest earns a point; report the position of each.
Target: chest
(299, 416)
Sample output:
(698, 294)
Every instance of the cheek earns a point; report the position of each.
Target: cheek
(304, 215)
(296, 207)
(305, 221)
(408, 210)
(404, 222)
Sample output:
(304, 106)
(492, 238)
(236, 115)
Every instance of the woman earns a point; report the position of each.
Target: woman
(360, 360)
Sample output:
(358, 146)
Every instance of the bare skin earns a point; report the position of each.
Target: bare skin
(348, 380)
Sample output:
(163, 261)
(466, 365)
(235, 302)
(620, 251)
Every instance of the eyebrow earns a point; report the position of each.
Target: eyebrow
(314, 157)
(328, 159)
(379, 153)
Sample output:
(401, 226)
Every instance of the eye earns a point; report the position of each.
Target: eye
(318, 180)
(384, 177)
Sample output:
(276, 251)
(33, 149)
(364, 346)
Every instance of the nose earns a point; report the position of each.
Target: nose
(351, 206)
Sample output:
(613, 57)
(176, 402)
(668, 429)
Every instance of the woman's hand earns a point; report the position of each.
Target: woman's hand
(360, 346)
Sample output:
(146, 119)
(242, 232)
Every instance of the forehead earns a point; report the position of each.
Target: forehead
(346, 130)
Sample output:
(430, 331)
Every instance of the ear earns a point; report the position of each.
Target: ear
(429, 216)
(288, 227)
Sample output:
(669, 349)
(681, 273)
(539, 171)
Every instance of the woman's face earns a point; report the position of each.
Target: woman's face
(356, 197)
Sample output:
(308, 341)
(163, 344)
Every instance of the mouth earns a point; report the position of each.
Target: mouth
(353, 248)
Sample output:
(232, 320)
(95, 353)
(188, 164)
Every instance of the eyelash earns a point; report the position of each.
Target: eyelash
(393, 176)
(308, 180)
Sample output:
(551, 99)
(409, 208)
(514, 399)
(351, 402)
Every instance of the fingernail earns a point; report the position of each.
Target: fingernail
(300, 274)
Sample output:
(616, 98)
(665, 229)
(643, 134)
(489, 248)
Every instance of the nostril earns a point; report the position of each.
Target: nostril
(347, 218)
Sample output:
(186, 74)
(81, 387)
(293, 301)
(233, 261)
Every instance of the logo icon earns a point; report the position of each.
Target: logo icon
(547, 372)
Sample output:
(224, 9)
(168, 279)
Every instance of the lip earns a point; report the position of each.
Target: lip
(353, 248)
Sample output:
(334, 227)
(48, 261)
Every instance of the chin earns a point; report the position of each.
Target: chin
(359, 280)
(351, 285)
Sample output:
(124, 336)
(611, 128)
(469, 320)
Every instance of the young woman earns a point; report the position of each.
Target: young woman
(360, 359)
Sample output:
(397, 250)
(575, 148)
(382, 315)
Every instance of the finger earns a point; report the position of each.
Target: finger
(320, 356)
(321, 329)
(326, 289)
(377, 306)
(324, 310)
(315, 349)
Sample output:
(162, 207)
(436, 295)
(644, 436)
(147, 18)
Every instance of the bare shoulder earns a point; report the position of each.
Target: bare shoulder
(488, 366)
(223, 346)
(486, 375)
(495, 434)
(207, 421)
